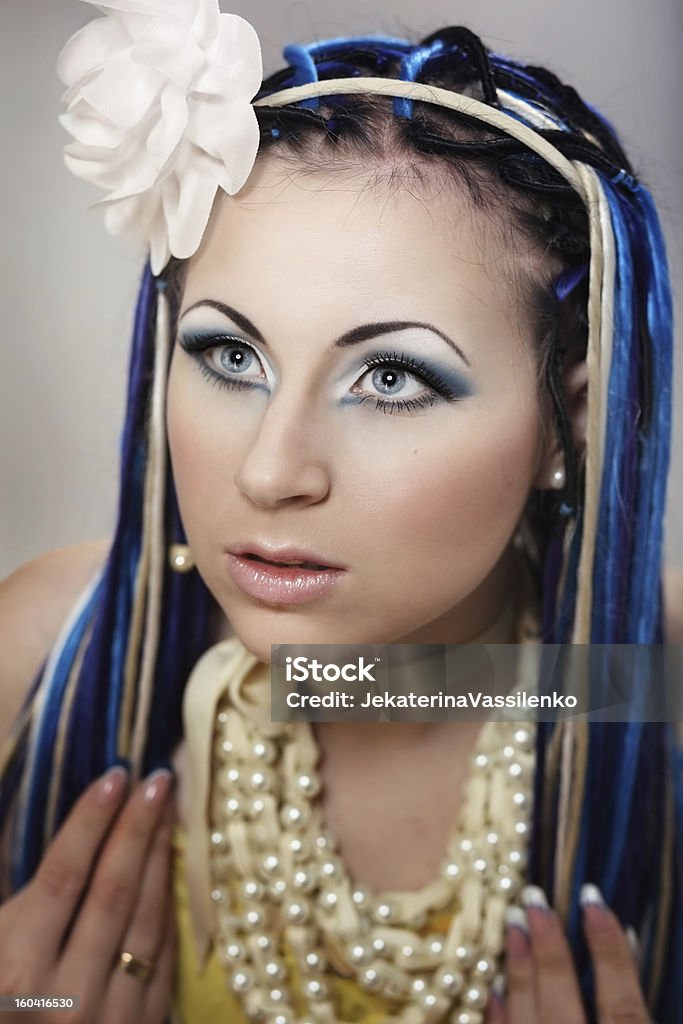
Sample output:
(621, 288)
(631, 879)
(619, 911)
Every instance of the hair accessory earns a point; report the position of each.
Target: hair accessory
(159, 104)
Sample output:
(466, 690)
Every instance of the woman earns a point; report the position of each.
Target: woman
(432, 330)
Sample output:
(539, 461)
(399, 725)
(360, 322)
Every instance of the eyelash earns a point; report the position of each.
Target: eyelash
(439, 388)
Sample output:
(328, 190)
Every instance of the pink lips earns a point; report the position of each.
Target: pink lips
(254, 571)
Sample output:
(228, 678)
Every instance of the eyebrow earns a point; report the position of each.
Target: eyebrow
(352, 337)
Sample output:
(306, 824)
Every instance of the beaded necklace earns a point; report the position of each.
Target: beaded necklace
(285, 911)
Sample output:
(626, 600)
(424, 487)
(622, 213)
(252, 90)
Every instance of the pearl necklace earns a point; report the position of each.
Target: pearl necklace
(278, 884)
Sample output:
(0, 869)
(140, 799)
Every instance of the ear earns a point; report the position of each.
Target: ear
(575, 387)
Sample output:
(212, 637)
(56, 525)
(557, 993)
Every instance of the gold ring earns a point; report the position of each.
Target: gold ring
(140, 968)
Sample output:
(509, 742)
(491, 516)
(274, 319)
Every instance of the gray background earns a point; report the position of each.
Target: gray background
(67, 288)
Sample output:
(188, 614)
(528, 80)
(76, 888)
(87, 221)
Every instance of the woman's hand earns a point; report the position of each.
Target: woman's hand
(542, 986)
(103, 886)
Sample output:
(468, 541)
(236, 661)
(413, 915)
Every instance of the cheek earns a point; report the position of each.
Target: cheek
(461, 489)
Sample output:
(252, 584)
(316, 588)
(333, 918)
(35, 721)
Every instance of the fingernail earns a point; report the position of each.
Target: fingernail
(632, 939)
(533, 896)
(590, 896)
(498, 987)
(112, 784)
(516, 918)
(158, 784)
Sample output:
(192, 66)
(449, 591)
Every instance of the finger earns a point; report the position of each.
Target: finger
(98, 931)
(618, 992)
(519, 968)
(558, 995)
(495, 1010)
(63, 873)
(159, 993)
(145, 932)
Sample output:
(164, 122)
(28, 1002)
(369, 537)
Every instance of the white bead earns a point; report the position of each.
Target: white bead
(485, 967)
(264, 943)
(481, 760)
(260, 781)
(234, 952)
(218, 896)
(233, 807)
(360, 897)
(275, 970)
(480, 865)
(418, 986)
(515, 770)
(263, 750)
(277, 889)
(492, 838)
(222, 717)
(519, 799)
(308, 784)
(252, 889)
(270, 864)
(242, 981)
(383, 912)
(296, 912)
(371, 979)
(359, 953)
(283, 1018)
(329, 900)
(233, 776)
(294, 815)
(475, 997)
(466, 845)
(276, 995)
(217, 839)
(451, 870)
(523, 738)
(256, 807)
(296, 846)
(254, 918)
(517, 858)
(427, 1000)
(504, 884)
(379, 946)
(407, 951)
(435, 946)
(508, 752)
(316, 989)
(330, 869)
(449, 982)
(304, 880)
(314, 961)
(464, 955)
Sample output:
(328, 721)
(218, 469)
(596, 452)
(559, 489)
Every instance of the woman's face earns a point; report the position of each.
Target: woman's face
(363, 387)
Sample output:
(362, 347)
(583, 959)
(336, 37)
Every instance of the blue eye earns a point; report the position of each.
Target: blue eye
(391, 371)
(235, 358)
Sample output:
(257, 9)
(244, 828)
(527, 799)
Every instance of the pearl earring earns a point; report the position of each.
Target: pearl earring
(559, 478)
(180, 558)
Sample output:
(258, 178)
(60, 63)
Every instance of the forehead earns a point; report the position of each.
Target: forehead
(355, 242)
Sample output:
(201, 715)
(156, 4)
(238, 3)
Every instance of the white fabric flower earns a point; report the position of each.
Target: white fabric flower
(158, 101)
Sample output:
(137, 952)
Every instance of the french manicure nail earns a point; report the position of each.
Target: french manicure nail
(632, 939)
(516, 918)
(158, 782)
(112, 783)
(498, 987)
(533, 896)
(590, 896)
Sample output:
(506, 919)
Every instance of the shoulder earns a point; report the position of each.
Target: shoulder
(35, 601)
(673, 606)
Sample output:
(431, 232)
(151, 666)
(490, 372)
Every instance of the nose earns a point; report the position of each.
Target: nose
(287, 460)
